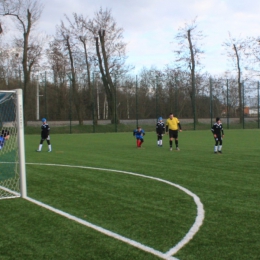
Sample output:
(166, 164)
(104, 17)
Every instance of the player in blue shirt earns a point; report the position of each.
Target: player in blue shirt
(4, 136)
(139, 135)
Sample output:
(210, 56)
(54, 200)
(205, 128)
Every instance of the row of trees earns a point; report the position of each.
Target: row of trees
(149, 95)
(85, 65)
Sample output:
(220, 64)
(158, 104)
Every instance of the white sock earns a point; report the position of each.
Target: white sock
(40, 147)
(220, 147)
(215, 148)
(49, 147)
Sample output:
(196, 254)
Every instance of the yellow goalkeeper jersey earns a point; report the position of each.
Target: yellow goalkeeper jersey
(172, 123)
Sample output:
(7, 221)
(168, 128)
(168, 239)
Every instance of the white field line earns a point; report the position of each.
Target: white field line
(103, 231)
(168, 255)
(16, 194)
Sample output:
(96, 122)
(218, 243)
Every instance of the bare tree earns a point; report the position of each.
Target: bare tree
(110, 51)
(253, 56)
(26, 13)
(236, 52)
(59, 64)
(57, 61)
(189, 55)
(80, 29)
(129, 90)
(9, 63)
(65, 37)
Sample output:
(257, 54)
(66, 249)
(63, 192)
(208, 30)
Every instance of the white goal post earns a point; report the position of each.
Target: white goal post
(12, 151)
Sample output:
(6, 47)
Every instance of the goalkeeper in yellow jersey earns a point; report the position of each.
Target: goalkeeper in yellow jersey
(172, 127)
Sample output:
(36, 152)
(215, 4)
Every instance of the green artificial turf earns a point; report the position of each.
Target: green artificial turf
(150, 212)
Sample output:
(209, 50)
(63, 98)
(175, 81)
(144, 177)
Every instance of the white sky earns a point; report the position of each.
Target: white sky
(151, 25)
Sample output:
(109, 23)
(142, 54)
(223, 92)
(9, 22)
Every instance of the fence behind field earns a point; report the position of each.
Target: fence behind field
(148, 124)
(141, 102)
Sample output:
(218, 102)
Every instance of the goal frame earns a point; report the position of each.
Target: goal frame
(20, 139)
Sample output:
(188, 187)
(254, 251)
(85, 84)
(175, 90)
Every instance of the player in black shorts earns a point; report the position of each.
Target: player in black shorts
(45, 135)
(173, 126)
(160, 130)
(218, 133)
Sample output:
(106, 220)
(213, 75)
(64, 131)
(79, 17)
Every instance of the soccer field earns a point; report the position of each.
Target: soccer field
(109, 200)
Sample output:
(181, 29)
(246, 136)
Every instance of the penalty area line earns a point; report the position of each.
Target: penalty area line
(102, 230)
(189, 236)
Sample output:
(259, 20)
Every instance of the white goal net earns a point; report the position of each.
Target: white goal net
(12, 158)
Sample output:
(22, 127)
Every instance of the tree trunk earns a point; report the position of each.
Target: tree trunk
(241, 109)
(91, 86)
(106, 77)
(26, 72)
(192, 69)
(76, 97)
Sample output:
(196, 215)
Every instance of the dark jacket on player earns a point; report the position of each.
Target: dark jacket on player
(217, 129)
(45, 131)
(160, 128)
